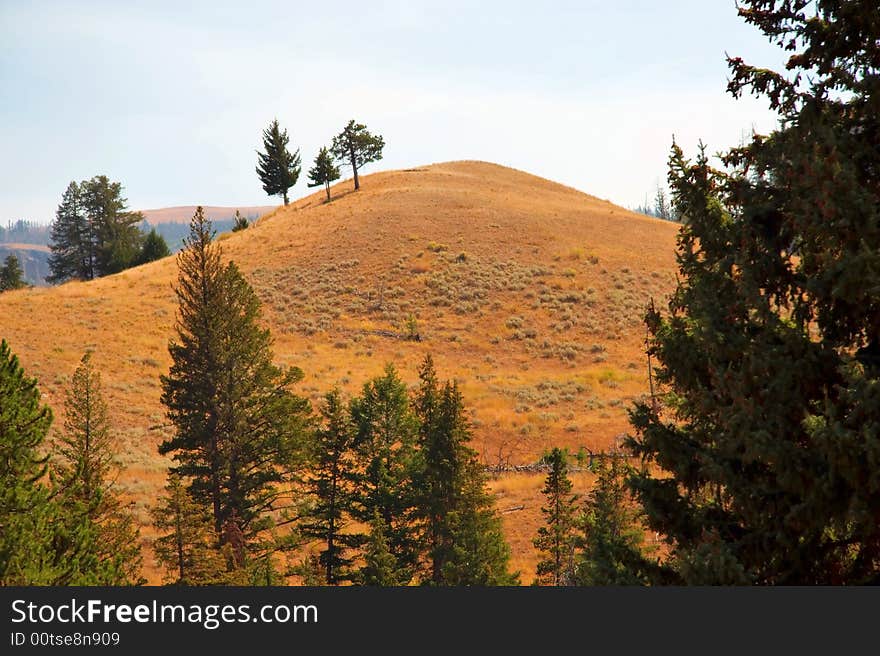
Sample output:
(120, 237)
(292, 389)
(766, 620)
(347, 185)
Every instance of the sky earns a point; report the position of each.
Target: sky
(170, 98)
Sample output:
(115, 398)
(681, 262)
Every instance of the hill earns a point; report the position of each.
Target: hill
(183, 213)
(530, 293)
(33, 259)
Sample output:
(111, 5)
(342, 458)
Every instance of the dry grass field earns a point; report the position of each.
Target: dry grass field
(531, 294)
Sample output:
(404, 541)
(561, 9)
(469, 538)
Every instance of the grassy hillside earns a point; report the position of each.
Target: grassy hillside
(528, 292)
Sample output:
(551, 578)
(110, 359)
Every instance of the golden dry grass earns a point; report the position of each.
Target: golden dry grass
(528, 292)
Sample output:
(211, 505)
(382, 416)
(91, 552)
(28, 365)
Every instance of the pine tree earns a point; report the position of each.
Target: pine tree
(11, 275)
(155, 248)
(40, 543)
(277, 167)
(463, 540)
(329, 482)
(380, 567)
(356, 147)
(187, 544)
(324, 171)
(384, 444)
(238, 427)
(761, 462)
(71, 242)
(557, 538)
(612, 551)
(117, 239)
(84, 472)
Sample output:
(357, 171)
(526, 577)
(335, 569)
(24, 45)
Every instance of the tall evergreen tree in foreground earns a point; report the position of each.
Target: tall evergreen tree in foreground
(84, 473)
(330, 483)
(11, 275)
(324, 171)
(356, 147)
(764, 455)
(464, 539)
(277, 167)
(385, 432)
(237, 426)
(557, 538)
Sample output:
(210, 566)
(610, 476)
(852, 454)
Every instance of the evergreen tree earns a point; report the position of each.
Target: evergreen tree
(117, 238)
(40, 543)
(277, 167)
(155, 248)
(84, 472)
(463, 539)
(380, 567)
(384, 444)
(324, 171)
(239, 222)
(557, 538)
(762, 465)
(356, 147)
(11, 275)
(238, 427)
(329, 482)
(612, 552)
(71, 242)
(187, 545)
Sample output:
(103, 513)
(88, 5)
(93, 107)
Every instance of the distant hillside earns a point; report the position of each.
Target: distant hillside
(529, 293)
(33, 258)
(173, 222)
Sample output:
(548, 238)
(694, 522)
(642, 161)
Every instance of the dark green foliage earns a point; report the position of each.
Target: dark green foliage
(356, 147)
(329, 482)
(611, 552)
(41, 542)
(385, 447)
(277, 167)
(11, 275)
(239, 222)
(83, 472)
(463, 537)
(187, 544)
(557, 538)
(769, 351)
(154, 248)
(238, 427)
(93, 233)
(380, 565)
(324, 171)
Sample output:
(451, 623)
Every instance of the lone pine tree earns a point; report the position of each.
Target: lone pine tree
(277, 167)
(356, 147)
(763, 457)
(324, 171)
(154, 248)
(237, 426)
(557, 539)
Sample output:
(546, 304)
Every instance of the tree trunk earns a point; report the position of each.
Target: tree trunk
(285, 197)
(327, 187)
(357, 184)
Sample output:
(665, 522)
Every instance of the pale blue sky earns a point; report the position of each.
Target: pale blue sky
(170, 98)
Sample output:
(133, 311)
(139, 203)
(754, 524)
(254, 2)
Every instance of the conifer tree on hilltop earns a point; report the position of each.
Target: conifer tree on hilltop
(762, 461)
(356, 147)
(557, 538)
(238, 429)
(324, 171)
(155, 248)
(277, 167)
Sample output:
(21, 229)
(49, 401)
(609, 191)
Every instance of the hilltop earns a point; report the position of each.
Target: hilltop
(528, 292)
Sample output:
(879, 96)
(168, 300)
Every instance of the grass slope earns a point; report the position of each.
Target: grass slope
(528, 292)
